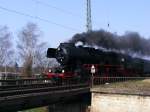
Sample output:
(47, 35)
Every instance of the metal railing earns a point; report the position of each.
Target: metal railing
(51, 82)
(121, 81)
(38, 82)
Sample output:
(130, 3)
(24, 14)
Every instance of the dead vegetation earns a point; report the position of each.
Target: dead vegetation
(128, 87)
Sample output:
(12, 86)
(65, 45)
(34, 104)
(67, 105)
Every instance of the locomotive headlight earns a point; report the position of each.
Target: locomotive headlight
(63, 71)
(61, 59)
(58, 48)
(122, 60)
(50, 71)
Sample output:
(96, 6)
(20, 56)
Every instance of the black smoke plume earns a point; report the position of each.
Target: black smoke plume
(130, 42)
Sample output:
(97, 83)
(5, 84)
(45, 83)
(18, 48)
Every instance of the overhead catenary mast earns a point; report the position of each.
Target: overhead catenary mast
(89, 21)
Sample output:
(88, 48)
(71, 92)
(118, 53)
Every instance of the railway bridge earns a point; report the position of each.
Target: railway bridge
(23, 94)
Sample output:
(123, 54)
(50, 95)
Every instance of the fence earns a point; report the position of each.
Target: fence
(107, 80)
(6, 84)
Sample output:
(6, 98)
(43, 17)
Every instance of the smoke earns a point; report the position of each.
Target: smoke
(130, 43)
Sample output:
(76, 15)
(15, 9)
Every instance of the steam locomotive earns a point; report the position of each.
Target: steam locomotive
(77, 61)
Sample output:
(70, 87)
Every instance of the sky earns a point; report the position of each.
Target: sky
(61, 19)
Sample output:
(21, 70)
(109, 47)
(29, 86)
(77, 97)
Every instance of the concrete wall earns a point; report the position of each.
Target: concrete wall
(119, 103)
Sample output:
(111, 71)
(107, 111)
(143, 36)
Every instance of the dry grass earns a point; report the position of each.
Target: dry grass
(130, 86)
(41, 109)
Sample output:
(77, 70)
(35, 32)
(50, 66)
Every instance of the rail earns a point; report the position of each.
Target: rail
(40, 90)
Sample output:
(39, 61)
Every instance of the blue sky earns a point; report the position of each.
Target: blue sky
(122, 15)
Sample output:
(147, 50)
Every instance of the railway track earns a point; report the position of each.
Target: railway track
(16, 92)
(27, 86)
(33, 83)
(16, 98)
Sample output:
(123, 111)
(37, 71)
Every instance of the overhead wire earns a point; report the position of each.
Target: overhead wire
(54, 7)
(62, 10)
(38, 18)
(79, 17)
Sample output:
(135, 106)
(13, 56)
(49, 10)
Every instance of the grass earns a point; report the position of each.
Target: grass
(130, 86)
(40, 109)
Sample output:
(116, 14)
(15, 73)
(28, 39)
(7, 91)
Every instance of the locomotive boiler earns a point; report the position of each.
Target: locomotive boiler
(68, 53)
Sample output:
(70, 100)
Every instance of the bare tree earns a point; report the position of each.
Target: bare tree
(6, 50)
(30, 48)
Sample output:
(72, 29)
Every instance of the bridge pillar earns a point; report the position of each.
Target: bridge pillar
(51, 108)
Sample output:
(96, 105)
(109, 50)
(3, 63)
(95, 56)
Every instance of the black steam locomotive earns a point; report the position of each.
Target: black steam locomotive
(78, 60)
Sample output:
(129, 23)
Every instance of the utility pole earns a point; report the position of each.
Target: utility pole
(89, 21)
